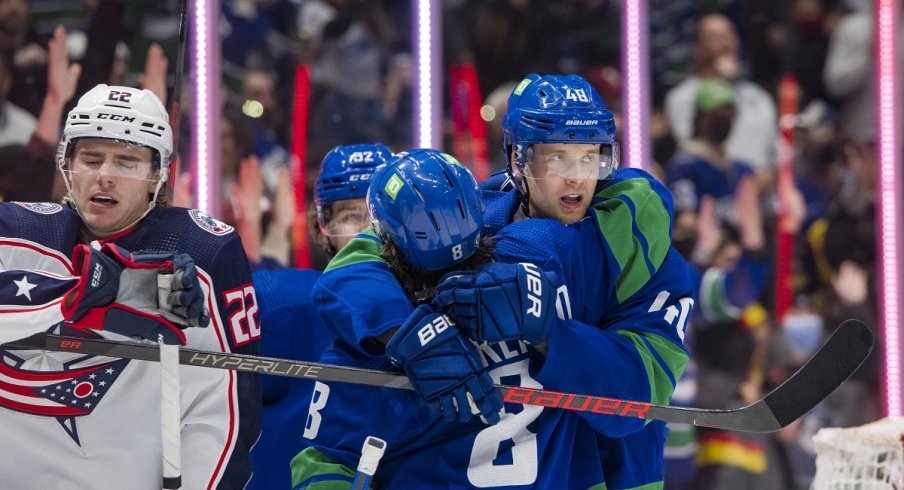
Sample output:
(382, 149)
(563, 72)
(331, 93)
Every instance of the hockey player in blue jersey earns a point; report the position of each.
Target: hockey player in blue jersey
(640, 249)
(551, 120)
(94, 421)
(292, 328)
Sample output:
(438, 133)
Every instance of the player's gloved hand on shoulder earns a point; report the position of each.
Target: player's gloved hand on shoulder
(497, 302)
(144, 296)
(444, 367)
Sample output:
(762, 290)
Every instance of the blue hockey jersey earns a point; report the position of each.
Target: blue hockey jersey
(110, 435)
(623, 297)
(291, 330)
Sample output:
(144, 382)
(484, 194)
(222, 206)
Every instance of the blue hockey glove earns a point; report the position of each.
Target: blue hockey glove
(497, 302)
(144, 296)
(444, 367)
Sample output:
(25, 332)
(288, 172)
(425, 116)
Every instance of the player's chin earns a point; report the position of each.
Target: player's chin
(569, 217)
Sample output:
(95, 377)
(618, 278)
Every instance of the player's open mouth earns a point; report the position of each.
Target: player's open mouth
(572, 200)
(103, 200)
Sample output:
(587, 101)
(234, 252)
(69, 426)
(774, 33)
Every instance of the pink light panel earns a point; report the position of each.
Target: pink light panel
(636, 87)
(427, 104)
(205, 108)
(889, 201)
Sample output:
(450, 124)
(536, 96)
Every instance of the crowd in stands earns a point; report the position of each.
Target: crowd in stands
(716, 68)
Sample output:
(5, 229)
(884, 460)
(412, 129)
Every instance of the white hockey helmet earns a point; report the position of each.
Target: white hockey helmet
(121, 113)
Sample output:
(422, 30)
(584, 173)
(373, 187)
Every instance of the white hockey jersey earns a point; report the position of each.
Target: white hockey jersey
(73, 421)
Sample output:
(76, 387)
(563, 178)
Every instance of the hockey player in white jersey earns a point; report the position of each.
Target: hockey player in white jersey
(109, 262)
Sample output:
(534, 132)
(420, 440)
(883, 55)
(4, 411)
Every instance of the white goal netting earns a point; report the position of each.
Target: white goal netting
(868, 457)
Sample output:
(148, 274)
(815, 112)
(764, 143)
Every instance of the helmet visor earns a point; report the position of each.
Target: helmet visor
(344, 218)
(558, 162)
(110, 158)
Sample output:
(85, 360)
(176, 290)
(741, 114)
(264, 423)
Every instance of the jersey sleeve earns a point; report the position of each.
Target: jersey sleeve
(637, 348)
(358, 296)
(221, 409)
(33, 276)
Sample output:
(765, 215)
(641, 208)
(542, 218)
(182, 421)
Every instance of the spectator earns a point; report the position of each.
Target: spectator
(16, 124)
(264, 119)
(755, 131)
(34, 163)
(850, 71)
(347, 74)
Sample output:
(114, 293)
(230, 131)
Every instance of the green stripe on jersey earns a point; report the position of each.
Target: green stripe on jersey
(649, 486)
(310, 464)
(672, 355)
(358, 250)
(616, 222)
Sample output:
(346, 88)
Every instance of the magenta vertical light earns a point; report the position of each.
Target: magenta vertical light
(205, 108)
(636, 83)
(889, 201)
(428, 106)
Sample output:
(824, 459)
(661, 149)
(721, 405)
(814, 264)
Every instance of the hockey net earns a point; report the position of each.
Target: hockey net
(868, 457)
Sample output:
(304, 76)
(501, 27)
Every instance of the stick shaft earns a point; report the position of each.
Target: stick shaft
(835, 361)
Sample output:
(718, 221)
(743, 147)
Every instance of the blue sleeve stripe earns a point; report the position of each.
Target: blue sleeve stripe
(660, 361)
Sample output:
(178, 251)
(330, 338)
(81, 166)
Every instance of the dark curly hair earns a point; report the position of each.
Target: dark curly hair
(420, 284)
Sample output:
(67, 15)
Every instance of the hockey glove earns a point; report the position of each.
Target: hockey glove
(444, 367)
(497, 302)
(143, 296)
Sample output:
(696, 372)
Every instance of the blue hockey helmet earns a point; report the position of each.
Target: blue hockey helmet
(346, 171)
(428, 203)
(557, 109)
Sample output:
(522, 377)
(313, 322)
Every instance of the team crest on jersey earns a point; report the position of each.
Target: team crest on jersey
(41, 207)
(208, 223)
(72, 390)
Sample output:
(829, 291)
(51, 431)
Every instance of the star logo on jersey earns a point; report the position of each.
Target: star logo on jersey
(24, 287)
(66, 391)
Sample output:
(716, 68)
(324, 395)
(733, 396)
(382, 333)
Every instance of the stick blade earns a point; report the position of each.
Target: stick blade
(834, 362)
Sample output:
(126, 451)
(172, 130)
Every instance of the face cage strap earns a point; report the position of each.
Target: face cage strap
(520, 184)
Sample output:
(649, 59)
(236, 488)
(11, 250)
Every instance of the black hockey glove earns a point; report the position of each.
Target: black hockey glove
(144, 296)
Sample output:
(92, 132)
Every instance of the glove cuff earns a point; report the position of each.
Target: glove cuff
(123, 320)
(98, 283)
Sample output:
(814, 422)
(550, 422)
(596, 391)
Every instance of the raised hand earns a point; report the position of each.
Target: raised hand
(154, 76)
(444, 367)
(62, 78)
(497, 302)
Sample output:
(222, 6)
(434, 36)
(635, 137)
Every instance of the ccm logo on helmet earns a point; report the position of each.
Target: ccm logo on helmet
(575, 122)
(355, 177)
(115, 117)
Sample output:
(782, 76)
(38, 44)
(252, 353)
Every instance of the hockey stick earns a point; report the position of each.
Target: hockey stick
(833, 363)
(176, 106)
(170, 409)
(170, 415)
